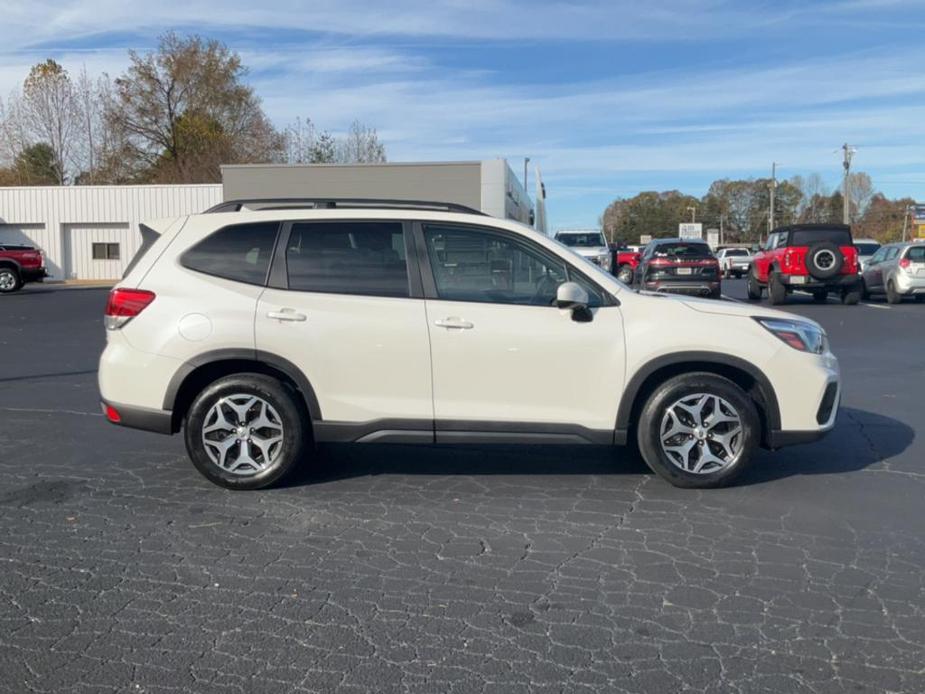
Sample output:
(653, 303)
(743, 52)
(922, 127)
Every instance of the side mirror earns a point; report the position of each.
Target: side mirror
(573, 297)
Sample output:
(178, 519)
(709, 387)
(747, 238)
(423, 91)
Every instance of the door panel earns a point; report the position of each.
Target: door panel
(366, 357)
(526, 364)
(346, 317)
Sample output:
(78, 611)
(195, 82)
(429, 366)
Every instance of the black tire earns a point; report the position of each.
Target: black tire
(716, 293)
(777, 292)
(752, 287)
(649, 429)
(824, 260)
(892, 296)
(290, 414)
(851, 296)
(10, 281)
(820, 296)
(625, 274)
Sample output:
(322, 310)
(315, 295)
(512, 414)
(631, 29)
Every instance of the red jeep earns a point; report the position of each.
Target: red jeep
(815, 258)
(18, 265)
(625, 262)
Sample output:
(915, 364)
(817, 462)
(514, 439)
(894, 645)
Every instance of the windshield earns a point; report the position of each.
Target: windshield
(582, 240)
(807, 237)
(867, 248)
(683, 250)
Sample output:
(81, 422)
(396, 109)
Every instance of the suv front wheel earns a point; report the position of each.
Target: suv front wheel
(244, 431)
(698, 430)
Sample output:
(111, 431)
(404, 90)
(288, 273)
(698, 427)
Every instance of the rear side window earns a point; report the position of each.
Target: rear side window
(807, 237)
(241, 253)
(916, 254)
(348, 258)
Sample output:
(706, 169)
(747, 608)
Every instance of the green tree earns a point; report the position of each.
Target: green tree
(37, 165)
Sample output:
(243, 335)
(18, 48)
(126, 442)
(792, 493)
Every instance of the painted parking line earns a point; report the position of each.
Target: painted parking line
(877, 306)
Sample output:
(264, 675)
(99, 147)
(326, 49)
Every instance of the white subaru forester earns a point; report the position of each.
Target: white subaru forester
(261, 328)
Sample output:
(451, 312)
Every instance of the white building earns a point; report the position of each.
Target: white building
(91, 232)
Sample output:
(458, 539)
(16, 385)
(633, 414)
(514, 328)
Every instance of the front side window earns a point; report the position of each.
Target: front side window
(348, 258)
(481, 266)
(240, 252)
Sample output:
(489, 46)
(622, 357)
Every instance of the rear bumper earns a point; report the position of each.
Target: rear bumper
(33, 274)
(158, 421)
(810, 282)
(693, 288)
(909, 284)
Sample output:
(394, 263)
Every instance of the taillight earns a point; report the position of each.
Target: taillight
(905, 263)
(125, 304)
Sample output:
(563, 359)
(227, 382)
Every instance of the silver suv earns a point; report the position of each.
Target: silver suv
(897, 270)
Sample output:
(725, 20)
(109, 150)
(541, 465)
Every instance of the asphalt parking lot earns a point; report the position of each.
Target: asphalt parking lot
(402, 569)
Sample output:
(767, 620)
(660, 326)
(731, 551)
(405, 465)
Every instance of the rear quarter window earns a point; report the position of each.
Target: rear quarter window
(241, 253)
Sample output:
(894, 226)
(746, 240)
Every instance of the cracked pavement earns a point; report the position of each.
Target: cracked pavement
(488, 569)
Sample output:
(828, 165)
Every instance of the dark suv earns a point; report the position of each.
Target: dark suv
(679, 266)
(815, 258)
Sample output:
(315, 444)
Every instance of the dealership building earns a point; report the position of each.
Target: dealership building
(91, 232)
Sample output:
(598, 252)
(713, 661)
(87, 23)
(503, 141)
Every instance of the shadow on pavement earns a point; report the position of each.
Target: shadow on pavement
(860, 439)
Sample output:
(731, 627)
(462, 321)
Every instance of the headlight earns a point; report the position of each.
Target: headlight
(804, 337)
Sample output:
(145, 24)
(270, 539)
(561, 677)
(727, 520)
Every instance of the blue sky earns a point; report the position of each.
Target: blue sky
(610, 98)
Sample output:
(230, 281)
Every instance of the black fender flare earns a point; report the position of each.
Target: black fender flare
(269, 359)
(632, 391)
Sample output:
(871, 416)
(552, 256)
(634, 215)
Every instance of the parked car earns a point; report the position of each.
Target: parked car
(734, 261)
(20, 265)
(679, 266)
(259, 332)
(866, 249)
(625, 262)
(588, 244)
(815, 258)
(896, 270)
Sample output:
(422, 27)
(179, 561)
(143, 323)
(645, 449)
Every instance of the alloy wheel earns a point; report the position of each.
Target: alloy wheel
(7, 280)
(701, 433)
(242, 434)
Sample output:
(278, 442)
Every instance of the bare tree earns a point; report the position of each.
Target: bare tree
(185, 110)
(361, 145)
(49, 111)
(862, 191)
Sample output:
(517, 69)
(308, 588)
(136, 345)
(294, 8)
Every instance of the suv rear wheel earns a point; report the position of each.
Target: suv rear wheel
(752, 287)
(9, 280)
(777, 292)
(698, 430)
(244, 431)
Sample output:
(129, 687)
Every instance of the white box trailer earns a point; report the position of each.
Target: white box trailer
(488, 186)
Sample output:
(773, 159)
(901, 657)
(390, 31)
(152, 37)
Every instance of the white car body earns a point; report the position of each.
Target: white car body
(376, 368)
(600, 254)
(733, 261)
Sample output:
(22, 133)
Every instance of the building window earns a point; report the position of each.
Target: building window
(105, 251)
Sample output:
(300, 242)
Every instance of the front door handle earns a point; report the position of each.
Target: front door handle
(287, 314)
(453, 323)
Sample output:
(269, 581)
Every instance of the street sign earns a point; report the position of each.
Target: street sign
(644, 239)
(713, 238)
(690, 230)
(922, 231)
(918, 212)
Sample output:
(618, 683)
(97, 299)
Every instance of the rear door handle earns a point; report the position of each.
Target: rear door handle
(287, 314)
(453, 323)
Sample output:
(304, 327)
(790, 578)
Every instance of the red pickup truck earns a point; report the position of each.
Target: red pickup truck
(19, 265)
(625, 262)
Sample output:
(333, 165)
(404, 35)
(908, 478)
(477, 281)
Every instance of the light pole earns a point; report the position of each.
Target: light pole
(693, 214)
(773, 186)
(526, 161)
(846, 193)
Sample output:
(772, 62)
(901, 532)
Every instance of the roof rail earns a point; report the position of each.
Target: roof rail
(337, 203)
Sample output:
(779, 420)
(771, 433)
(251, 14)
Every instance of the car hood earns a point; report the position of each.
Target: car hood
(735, 308)
(589, 250)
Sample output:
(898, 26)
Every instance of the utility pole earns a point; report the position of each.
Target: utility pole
(693, 214)
(721, 218)
(773, 186)
(906, 210)
(846, 192)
